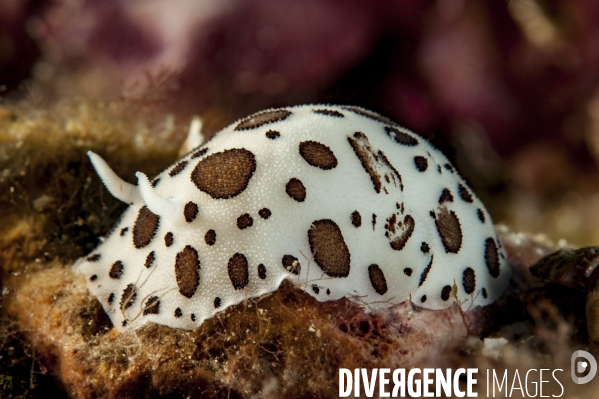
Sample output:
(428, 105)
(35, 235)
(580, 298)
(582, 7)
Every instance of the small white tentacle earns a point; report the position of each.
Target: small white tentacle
(155, 203)
(119, 188)
(195, 138)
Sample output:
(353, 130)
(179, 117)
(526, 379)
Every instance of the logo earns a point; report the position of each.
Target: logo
(580, 367)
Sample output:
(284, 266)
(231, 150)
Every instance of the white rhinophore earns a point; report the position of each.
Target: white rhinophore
(160, 206)
(119, 188)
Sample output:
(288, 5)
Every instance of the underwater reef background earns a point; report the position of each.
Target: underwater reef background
(508, 90)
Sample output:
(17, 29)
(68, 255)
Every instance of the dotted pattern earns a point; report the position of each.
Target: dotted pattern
(449, 229)
(329, 112)
(377, 279)
(244, 221)
(116, 270)
(152, 306)
(190, 212)
(264, 213)
(492, 257)
(317, 154)
(150, 259)
(446, 292)
(210, 237)
(402, 231)
(421, 163)
(369, 114)
(425, 248)
(356, 219)
(329, 248)
(145, 227)
(273, 134)
(169, 239)
(445, 196)
(187, 271)
(199, 153)
(295, 189)
(375, 163)
(469, 280)
(178, 168)
(481, 215)
(401, 137)
(425, 272)
(465, 195)
(128, 296)
(263, 118)
(349, 160)
(94, 258)
(291, 264)
(238, 271)
(224, 174)
(262, 271)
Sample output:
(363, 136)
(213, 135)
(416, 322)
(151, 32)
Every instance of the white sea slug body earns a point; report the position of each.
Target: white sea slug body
(340, 200)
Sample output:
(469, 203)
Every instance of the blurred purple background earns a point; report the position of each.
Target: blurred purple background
(509, 90)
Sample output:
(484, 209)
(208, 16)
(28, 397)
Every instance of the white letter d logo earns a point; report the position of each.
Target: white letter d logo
(581, 365)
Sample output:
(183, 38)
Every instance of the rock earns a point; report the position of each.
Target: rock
(287, 340)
